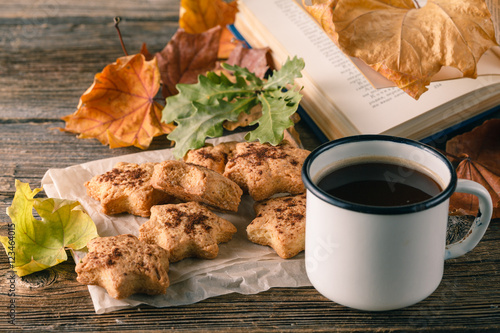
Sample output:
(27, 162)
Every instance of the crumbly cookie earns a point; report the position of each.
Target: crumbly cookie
(263, 170)
(190, 182)
(211, 157)
(126, 189)
(280, 224)
(186, 230)
(124, 266)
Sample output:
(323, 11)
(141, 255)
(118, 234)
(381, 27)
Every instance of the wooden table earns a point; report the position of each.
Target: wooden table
(49, 54)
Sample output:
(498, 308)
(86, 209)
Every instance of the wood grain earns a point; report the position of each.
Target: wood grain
(49, 54)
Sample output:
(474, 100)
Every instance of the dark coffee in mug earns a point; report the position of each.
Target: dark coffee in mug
(379, 182)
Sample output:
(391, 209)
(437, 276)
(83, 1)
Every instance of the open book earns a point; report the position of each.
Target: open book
(339, 99)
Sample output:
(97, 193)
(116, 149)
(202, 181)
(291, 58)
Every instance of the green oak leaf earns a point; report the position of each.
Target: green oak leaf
(200, 109)
(34, 245)
(206, 121)
(208, 89)
(290, 70)
(277, 107)
(242, 72)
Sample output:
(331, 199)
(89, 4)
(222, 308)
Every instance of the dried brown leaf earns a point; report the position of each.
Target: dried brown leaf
(186, 56)
(257, 61)
(322, 11)
(409, 45)
(479, 155)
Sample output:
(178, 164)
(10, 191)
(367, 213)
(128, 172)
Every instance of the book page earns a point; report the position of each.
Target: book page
(370, 110)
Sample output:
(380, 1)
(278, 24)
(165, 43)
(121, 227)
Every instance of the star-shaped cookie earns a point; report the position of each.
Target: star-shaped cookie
(191, 182)
(280, 224)
(211, 157)
(186, 230)
(264, 170)
(126, 189)
(124, 266)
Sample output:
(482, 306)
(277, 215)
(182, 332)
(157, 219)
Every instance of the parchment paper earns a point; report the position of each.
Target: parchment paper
(240, 266)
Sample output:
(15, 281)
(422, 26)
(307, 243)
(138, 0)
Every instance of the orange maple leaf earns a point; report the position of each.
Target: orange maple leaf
(119, 108)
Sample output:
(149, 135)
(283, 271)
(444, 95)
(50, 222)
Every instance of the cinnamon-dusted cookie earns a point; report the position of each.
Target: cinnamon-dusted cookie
(280, 224)
(264, 170)
(126, 189)
(186, 230)
(124, 266)
(211, 157)
(190, 182)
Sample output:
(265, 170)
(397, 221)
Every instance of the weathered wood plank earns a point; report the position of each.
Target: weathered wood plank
(58, 70)
(38, 11)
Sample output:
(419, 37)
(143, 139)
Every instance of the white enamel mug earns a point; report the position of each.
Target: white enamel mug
(382, 258)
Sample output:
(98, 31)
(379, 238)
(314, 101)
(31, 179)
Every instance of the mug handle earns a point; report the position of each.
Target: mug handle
(479, 225)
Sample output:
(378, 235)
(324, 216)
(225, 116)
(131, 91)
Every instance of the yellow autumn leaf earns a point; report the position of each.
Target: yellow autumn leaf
(197, 16)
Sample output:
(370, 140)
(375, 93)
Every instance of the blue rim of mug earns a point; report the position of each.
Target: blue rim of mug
(393, 210)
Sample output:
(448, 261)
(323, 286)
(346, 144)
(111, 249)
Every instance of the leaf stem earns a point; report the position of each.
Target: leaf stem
(117, 20)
